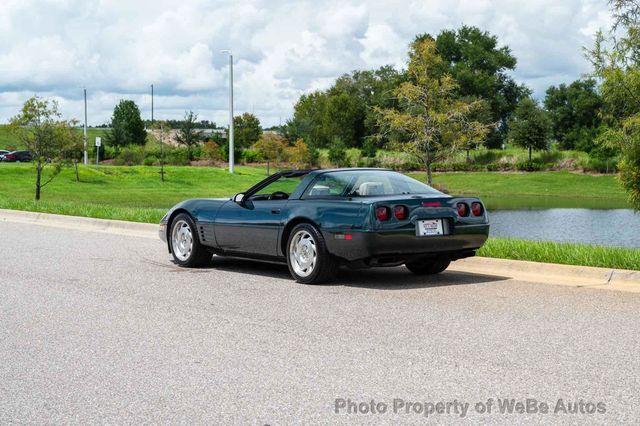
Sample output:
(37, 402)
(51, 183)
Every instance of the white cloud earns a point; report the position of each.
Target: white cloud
(117, 48)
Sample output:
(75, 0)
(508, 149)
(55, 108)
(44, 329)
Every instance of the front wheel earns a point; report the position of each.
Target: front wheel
(185, 245)
(308, 259)
(428, 266)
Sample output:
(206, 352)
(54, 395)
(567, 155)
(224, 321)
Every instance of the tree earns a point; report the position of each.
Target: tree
(272, 147)
(346, 110)
(246, 129)
(435, 120)
(574, 112)
(188, 134)
(480, 67)
(299, 154)
(127, 127)
(530, 126)
(618, 69)
(50, 139)
(308, 120)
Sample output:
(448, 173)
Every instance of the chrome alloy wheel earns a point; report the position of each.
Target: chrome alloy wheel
(181, 240)
(303, 254)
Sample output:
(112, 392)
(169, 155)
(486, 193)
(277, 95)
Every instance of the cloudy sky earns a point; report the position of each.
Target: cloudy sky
(282, 49)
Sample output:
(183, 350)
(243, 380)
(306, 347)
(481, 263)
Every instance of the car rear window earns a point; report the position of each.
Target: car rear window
(365, 183)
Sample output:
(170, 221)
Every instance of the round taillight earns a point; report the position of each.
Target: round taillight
(382, 213)
(400, 212)
(463, 209)
(476, 209)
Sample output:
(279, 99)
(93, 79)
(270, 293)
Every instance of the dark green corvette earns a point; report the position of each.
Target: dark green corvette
(316, 220)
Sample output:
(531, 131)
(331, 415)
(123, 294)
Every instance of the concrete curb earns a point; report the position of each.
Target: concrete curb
(551, 273)
(119, 227)
(548, 273)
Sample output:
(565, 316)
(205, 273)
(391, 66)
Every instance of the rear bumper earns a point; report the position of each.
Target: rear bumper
(365, 245)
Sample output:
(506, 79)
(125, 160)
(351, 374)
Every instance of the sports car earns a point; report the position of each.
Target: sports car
(317, 220)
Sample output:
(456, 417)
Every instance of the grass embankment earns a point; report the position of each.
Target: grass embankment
(126, 193)
(534, 190)
(563, 253)
(136, 193)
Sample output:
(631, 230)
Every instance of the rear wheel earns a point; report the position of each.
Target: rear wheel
(185, 245)
(308, 259)
(428, 266)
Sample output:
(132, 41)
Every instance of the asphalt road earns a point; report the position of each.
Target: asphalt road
(98, 328)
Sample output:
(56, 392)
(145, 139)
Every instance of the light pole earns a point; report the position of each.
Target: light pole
(230, 110)
(86, 155)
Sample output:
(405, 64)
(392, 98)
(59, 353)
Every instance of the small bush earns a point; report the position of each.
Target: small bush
(177, 157)
(129, 156)
(369, 148)
(150, 160)
(251, 156)
(338, 153)
(599, 165)
(529, 166)
(211, 151)
(314, 157)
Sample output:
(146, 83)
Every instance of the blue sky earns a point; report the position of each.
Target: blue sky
(282, 49)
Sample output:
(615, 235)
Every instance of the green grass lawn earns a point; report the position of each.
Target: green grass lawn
(563, 253)
(535, 190)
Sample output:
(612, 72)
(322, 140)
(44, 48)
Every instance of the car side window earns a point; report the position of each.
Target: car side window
(330, 185)
(280, 189)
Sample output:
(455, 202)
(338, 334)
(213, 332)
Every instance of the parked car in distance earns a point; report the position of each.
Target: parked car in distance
(316, 220)
(18, 156)
(2, 153)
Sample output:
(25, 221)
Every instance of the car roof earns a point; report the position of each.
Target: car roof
(298, 172)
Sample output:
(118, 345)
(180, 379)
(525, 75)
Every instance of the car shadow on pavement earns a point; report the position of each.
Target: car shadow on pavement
(394, 278)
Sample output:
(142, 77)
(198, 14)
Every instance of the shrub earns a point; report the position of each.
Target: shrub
(211, 151)
(487, 156)
(314, 157)
(150, 160)
(129, 156)
(197, 151)
(369, 148)
(177, 157)
(338, 153)
(250, 156)
(529, 166)
(551, 156)
(599, 165)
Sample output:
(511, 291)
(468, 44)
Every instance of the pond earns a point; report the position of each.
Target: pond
(610, 227)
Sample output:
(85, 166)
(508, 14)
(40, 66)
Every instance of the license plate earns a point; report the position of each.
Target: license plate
(427, 228)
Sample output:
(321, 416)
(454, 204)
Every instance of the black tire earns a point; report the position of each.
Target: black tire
(198, 255)
(325, 266)
(428, 266)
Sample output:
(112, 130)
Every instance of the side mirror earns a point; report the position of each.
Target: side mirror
(238, 198)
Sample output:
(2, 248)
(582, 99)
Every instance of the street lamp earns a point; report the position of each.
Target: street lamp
(86, 154)
(230, 109)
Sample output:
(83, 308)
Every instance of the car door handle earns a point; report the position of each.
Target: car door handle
(275, 211)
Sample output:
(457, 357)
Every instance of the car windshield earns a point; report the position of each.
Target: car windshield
(366, 183)
(283, 187)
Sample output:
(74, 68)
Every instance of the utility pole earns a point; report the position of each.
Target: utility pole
(231, 148)
(152, 104)
(86, 154)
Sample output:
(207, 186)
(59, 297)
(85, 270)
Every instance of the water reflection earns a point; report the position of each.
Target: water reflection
(614, 227)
